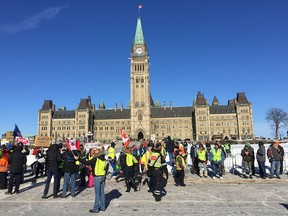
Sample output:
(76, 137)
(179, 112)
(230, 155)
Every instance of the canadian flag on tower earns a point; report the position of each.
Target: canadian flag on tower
(73, 144)
(125, 138)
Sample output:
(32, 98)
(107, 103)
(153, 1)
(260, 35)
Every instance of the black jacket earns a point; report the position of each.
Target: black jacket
(69, 162)
(170, 146)
(53, 157)
(17, 160)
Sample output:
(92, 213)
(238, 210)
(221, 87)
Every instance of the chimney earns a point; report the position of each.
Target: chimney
(164, 105)
(115, 107)
(170, 105)
(121, 107)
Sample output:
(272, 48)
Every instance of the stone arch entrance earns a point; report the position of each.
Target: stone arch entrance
(140, 135)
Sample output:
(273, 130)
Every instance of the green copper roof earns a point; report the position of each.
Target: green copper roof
(139, 38)
(101, 105)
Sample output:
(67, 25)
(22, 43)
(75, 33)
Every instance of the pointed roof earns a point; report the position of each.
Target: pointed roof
(215, 101)
(200, 99)
(47, 105)
(139, 38)
(241, 98)
(85, 104)
(101, 105)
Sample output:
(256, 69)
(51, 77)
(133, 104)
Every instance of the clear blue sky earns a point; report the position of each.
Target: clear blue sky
(66, 50)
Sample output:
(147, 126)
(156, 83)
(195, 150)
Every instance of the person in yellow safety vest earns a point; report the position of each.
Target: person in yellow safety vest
(202, 161)
(160, 173)
(227, 147)
(99, 171)
(112, 155)
(217, 157)
(145, 160)
(91, 154)
(128, 170)
(180, 169)
(111, 151)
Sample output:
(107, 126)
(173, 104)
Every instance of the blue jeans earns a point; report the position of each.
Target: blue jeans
(67, 177)
(51, 173)
(171, 156)
(216, 166)
(99, 194)
(275, 165)
(262, 169)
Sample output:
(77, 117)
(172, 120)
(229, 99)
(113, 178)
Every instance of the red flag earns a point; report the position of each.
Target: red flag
(125, 138)
(73, 145)
(140, 6)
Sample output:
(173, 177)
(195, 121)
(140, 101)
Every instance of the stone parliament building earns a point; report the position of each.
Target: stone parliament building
(144, 118)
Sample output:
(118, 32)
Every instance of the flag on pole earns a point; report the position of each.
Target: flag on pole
(140, 6)
(125, 138)
(16, 132)
(73, 144)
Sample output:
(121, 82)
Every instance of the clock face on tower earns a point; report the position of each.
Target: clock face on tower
(139, 51)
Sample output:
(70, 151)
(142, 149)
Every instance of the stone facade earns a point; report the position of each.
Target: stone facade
(143, 118)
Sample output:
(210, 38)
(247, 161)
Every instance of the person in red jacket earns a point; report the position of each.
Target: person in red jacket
(4, 167)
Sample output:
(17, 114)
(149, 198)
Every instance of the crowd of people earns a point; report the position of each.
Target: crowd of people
(136, 165)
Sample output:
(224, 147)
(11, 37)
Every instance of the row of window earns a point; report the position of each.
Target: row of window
(112, 128)
(138, 80)
(63, 128)
(63, 122)
(139, 67)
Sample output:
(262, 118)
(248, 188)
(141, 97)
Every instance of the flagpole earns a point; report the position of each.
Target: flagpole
(139, 8)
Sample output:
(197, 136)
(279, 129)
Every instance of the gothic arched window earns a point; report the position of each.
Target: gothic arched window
(140, 117)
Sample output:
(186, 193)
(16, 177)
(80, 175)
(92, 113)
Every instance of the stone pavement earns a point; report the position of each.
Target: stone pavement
(230, 196)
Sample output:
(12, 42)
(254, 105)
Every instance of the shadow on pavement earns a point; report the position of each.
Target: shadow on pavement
(285, 205)
(113, 194)
(33, 185)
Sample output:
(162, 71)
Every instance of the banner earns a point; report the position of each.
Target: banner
(23, 140)
(92, 145)
(42, 141)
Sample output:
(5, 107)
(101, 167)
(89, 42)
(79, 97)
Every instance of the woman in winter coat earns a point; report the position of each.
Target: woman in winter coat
(4, 168)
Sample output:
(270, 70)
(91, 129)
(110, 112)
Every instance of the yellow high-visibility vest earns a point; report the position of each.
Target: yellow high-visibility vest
(99, 169)
(111, 153)
(178, 164)
(216, 156)
(201, 155)
(130, 160)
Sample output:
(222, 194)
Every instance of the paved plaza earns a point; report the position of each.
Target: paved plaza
(230, 196)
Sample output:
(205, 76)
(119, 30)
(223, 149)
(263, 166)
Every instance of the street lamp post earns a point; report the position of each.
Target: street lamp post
(89, 135)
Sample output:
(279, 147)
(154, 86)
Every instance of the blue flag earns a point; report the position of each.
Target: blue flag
(17, 132)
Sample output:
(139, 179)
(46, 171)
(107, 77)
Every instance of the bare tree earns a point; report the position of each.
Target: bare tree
(278, 119)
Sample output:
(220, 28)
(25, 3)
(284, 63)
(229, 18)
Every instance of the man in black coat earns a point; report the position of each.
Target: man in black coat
(53, 159)
(170, 145)
(17, 161)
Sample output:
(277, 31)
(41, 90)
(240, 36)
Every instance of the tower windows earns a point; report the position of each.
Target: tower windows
(139, 67)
